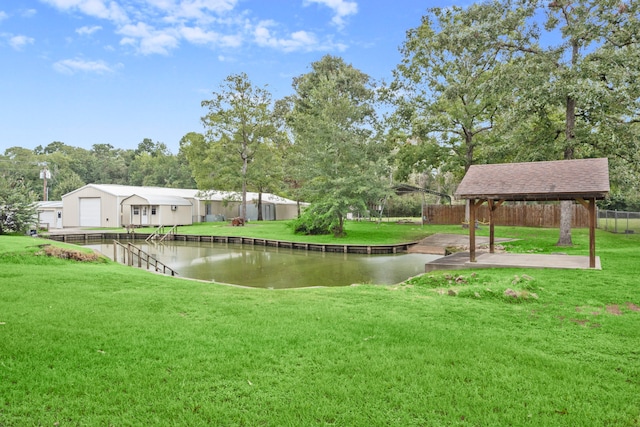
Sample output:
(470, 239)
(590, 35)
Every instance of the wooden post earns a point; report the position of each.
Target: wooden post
(591, 207)
(473, 205)
(492, 240)
(472, 230)
(492, 208)
(592, 233)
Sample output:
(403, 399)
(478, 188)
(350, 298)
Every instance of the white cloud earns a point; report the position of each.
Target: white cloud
(148, 40)
(300, 40)
(3, 15)
(87, 31)
(29, 13)
(297, 41)
(341, 9)
(72, 66)
(197, 35)
(159, 26)
(231, 41)
(104, 9)
(19, 42)
(199, 9)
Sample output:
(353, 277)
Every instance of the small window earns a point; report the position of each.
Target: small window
(136, 210)
(153, 210)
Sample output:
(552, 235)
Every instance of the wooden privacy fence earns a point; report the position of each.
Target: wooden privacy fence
(541, 215)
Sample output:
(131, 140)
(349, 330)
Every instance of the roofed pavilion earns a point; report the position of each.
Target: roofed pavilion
(584, 181)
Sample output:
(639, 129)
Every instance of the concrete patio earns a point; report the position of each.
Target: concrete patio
(437, 244)
(460, 260)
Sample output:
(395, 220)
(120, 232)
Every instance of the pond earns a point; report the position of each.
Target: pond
(278, 268)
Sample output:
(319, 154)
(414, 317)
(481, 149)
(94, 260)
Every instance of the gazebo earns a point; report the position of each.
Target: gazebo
(584, 181)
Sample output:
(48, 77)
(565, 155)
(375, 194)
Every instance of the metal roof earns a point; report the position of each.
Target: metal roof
(52, 204)
(186, 193)
(154, 199)
(552, 180)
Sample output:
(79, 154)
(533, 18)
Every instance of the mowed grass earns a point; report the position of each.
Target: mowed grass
(103, 344)
(358, 232)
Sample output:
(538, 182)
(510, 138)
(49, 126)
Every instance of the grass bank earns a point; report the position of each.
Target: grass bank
(358, 232)
(102, 344)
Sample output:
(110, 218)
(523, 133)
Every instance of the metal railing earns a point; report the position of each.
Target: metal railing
(160, 231)
(619, 221)
(133, 255)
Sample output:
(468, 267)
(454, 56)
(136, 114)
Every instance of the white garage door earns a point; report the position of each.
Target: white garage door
(47, 217)
(90, 212)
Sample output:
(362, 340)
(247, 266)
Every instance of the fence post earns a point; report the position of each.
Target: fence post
(627, 230)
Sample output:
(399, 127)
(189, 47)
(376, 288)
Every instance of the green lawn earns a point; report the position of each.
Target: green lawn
(358, 232)
(103, 344)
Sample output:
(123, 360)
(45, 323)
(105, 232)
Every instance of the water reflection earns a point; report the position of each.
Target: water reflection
(269, 267)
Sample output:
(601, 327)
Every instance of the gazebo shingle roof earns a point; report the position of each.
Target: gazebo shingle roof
(552, 180)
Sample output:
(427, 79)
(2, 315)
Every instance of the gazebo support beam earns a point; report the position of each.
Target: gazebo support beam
(493, 205)
(473, 205)
(590, 204)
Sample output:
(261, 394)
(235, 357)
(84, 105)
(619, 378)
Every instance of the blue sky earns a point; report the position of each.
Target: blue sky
(88, 72)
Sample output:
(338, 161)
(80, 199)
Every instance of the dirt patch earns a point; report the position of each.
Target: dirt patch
(631, 306)
(614, 309)
(580, 322)
(72, 254)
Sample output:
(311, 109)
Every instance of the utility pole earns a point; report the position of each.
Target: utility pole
(44, 175)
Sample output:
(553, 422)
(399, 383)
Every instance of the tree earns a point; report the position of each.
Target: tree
(17, 205)
(265, 174)
(154, 165)
(593, 75)
(108, 165)
(452, 81)
(341, 164)
(66, 181)
(291, 154)
(23, 165)
(530, 101)
(239, 121)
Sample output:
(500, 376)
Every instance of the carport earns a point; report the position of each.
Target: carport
(584, 181)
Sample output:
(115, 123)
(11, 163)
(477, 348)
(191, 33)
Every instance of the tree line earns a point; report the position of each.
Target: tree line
(498, 81)
(151, 163)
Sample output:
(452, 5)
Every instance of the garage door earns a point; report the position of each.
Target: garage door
(47, 217)
(90, 212)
